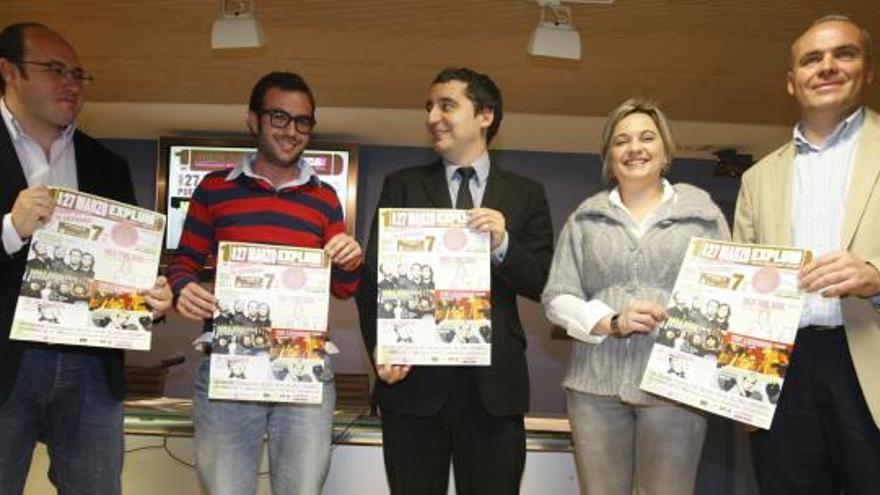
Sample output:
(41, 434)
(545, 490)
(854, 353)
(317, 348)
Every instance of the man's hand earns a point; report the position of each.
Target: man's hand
(33, 207)
(488, 220)
(392, 373)
(840, 274)
(638, 317)
(345, 252)
(159, 297)
(196, 303)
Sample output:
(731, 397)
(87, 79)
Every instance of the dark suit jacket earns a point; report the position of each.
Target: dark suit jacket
(504, 386)
(100, 172)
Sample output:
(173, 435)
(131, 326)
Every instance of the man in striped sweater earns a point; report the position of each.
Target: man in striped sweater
(274, 198)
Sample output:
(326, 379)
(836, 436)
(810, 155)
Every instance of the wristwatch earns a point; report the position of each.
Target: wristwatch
(615, 324)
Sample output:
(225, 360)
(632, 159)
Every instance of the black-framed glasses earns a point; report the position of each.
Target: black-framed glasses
(61, 71)
(280, 119)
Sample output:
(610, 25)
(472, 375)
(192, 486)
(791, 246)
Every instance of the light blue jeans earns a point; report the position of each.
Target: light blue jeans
(621, 448)
(229, 440)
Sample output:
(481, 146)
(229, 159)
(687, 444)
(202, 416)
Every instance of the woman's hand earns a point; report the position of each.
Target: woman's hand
(637, 317)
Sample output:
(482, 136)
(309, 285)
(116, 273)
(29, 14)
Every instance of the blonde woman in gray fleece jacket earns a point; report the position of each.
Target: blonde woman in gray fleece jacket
(612, 274)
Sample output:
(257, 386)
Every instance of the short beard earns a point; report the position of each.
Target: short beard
(264, 150)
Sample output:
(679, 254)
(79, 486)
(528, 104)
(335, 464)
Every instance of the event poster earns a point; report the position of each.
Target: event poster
(434, 289)
(86, 274)
(271, 325)
(731, 323)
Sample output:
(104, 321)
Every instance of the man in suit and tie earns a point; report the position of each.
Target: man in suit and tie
(821, 191)
(68, 397)
(473, 415)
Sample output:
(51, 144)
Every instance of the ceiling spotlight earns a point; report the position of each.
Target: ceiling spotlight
(237, 26)
(555, 35)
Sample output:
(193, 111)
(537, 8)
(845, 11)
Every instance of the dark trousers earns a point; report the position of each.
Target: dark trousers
(488, 452)
(62, 399)
(823, 439)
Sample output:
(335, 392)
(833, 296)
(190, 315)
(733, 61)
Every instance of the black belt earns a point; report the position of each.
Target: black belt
(822, 328)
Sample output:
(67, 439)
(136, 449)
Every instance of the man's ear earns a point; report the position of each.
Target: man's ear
(486, 116)
(7, 70)
(253, 122)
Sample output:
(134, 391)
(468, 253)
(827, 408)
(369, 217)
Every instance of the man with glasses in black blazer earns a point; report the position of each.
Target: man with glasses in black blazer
(68, 397)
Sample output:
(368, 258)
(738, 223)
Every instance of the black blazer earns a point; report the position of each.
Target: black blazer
(504, 386)
(99, 171)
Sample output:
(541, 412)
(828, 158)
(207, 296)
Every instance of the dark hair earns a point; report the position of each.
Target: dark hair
(287, 81)
(482, 92)
(12, 44)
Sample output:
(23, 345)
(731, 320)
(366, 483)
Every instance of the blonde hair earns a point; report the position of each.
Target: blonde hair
(625, 109)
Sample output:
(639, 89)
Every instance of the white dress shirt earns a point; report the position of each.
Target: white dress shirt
(59, 169)
(478, 188)
(819, 188)
(305, 173)
(579, 317)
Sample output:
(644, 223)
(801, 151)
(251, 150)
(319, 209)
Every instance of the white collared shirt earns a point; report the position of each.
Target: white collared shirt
(58, 170)
(820, 185)
(478, 188)
(637, 228)
(305, 173)
(477, 182)
(580, 317)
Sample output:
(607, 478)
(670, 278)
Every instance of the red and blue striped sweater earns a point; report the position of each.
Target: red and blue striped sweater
(247, 209)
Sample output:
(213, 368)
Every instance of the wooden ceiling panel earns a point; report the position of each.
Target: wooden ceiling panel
(703, 60)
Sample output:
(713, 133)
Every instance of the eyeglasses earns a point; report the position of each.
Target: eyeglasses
(280, 119)
(61, 71)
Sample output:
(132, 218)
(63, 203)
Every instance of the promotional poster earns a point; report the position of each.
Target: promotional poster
(729, 334)
(434, 289)
(87, 272)
(271, 325)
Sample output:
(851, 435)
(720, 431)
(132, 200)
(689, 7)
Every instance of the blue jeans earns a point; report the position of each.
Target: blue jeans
(62, 399)
(617, 445)
(229, 440)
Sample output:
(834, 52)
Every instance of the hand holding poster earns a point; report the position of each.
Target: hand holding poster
(730, 330)
(270, 328)
(434, 288)
(86, 274)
